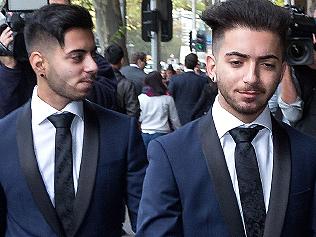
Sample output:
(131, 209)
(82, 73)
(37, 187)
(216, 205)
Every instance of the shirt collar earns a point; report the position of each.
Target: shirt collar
(134, 65)
(225, 121)
(41, 110)
(188, 70)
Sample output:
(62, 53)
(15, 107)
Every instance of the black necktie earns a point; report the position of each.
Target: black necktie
(249, 183)
(63, 176)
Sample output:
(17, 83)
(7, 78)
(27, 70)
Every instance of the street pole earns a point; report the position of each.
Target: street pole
(155, 41)
(193, 19)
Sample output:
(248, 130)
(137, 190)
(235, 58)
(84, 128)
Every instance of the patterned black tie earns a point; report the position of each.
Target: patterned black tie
(249, 183)
(63, 177)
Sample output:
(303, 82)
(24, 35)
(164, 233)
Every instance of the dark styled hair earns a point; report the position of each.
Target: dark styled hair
(259, 15)
(114, 53)
(138, 55)
(154, 81)
(51, 22)
(191, 60)
(170, 68)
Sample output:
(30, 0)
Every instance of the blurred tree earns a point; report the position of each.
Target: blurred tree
(110, 28)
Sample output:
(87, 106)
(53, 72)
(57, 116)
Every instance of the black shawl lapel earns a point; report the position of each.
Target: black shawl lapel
(88, 165)
(31, 171)
(219, 174)
(280, 181)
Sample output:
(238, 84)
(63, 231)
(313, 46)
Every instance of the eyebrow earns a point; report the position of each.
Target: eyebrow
(234, 53)
(82, 50)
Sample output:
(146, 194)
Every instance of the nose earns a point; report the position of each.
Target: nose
(90, 65)
(251, 75)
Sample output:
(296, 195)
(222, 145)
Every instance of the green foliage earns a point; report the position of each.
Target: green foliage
(279, 2)
(133, 26)
(84, 3)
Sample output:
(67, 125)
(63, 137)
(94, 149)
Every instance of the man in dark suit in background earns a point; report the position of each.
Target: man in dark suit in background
(135, 71)
(67, 165)
(236, 171)
(186, 88)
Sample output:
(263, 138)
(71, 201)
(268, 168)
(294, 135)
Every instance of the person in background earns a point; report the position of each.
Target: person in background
(127, 101)
(286, 104)
(135, 71)
(206, 100)
(158, 114)
(295, 99)
(164, 77)
(186, 88)
(68, 166)
(236, 171)
(170, 72)
(17, 79)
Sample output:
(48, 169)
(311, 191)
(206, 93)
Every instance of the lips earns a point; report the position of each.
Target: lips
(249, 94)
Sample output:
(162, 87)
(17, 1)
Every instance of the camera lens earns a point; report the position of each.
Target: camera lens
(300, 51)
(297, 51)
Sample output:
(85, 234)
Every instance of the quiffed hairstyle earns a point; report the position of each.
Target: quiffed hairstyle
(259, 15)
(114, 53)
(191, 60)
(154, 80)
(52, 21)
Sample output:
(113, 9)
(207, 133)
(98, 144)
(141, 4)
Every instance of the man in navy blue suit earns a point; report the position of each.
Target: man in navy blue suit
(106, 160)
(186, 88)
(208, 178)
(17, 79)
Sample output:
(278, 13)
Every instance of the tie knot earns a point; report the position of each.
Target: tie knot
(245, 134)
(61, 120)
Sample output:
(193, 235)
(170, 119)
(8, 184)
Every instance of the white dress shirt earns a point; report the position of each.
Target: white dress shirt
(224, 122)
(44, 139)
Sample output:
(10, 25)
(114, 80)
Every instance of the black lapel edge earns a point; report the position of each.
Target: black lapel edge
(219, 173)
(281, 177)
(88, 165)
(31, 171)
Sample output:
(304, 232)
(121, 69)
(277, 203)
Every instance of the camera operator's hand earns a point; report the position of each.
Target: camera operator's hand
(6, 38)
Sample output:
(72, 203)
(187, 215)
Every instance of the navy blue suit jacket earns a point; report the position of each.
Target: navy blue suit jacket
(188, 191)
(186, 89)
(111, 175)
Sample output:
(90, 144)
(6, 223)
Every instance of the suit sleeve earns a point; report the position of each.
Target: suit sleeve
(313, 213)
(136, 168)
(171, 87)
(3, 212)
(131, 100)
(16, 87)
(160, 208)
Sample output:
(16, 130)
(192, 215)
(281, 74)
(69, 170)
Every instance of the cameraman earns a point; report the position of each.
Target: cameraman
(286, 104)
(17, 79)
(306, 76)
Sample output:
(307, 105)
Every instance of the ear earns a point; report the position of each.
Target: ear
(211, 66)
(37, 61)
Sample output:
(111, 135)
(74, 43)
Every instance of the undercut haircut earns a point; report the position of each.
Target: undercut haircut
(51, 22)
(257, 15)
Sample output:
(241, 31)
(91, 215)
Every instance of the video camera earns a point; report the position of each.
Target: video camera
(15, 12)
(300, 50)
